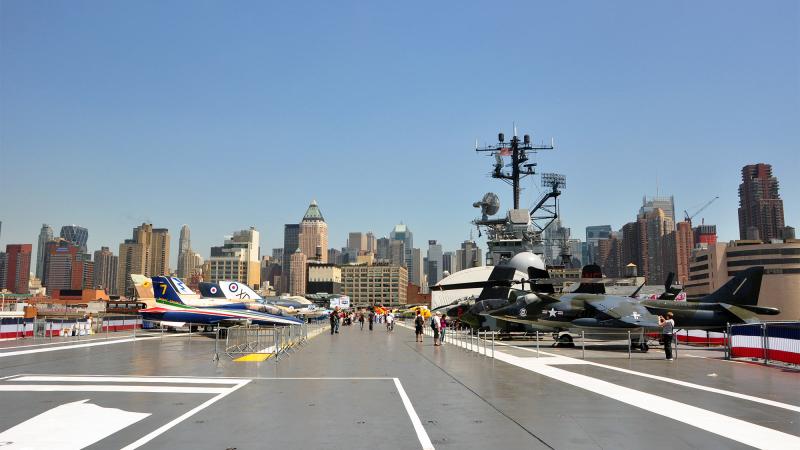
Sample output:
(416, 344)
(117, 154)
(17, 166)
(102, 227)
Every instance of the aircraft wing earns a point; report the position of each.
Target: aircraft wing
(618, 312)
(744, 315)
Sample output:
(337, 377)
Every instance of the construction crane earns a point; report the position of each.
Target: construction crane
(689, 218)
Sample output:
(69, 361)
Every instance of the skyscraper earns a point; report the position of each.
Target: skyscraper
(382, 252)
(659, 226)
(147, 253)
(18, 267)
(237, 259)
(66, 267)
(594, 234)
(291, 242)
(313, 235)
(185, 256)
(666, 204)
(105, 270)
(416, 274)
(469, 255)
(75, 234)
(760, 205)
(45, 236)
(297, 282)
(434, 269)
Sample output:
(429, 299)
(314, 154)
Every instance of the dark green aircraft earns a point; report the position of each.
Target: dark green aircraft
(589, 310)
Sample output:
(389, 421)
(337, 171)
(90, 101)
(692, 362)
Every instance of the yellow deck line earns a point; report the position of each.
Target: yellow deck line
(259, 357)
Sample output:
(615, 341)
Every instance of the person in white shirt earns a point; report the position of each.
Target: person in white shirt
(389, 322)
(667, 329)
(437, 326)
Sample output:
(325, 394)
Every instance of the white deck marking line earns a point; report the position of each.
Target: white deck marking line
(751, 398)
(154, 434)
(130, 379)
(422, 435)
(110, 388)
(72, 341)
(90, 344)
(722, 425)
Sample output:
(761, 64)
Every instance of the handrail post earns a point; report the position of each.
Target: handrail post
(493, 336)
(630, 344)
(583, 343)
(537, 343)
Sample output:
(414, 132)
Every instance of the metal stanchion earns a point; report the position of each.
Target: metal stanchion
(629, 344)
(537, 343)
(583, 343)
(765, 343)
(728, 341)
(493, 336)
(136, 322)
(17, 333)
(675, 340)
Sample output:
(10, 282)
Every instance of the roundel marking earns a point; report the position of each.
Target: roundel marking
(213, 289)
(234, 287)
(523, 312)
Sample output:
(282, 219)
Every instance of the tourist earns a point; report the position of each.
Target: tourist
(371, 319)
(361, 320)
(389, 321)
(419, 322)
(667, 328)
(442, 327)
(436, 328)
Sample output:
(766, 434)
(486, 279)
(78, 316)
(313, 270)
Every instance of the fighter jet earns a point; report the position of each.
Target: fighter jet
(735, 302)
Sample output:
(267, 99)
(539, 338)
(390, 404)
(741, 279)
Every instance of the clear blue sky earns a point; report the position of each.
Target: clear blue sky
(223, 115)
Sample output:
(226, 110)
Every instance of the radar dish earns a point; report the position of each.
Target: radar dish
(490, 204)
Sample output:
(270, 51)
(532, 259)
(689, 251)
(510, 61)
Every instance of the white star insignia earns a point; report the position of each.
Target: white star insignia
(552, 312)
(636, 315)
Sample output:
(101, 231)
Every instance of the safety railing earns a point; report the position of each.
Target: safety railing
(770, 342)
(275, 342)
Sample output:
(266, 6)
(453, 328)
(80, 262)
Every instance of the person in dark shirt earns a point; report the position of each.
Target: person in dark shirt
(419, 322)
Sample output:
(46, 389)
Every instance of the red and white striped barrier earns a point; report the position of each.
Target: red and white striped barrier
(768, 341)
(15, 327)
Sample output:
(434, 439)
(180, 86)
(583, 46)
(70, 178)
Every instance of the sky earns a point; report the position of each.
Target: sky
(226, 115)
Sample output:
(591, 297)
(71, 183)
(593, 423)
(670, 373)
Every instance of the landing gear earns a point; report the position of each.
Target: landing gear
(564, 341)
(640, 345)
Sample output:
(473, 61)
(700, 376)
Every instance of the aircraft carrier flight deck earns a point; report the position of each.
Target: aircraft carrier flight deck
(379, 389)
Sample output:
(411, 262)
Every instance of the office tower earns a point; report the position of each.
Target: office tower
(3, 264)
(146, 253)
(760, 204)
(375, 285)
(186, 256)
(449, 263)
(45, 236)
(402, 233)
(469, 255)
(313, 235)
(416, 272)
(659, 226)
(705, 234)
(372, 243)
(237, 259)
(434, 265)
(397, 253)
(18, 267)
(66, 267)
(382, 252)
(105, 270)
(609, 255)
(335, 256)
(277, 256)
(297, 282)
(291, 242)
(357, 242)
(77, 235)
(666, 204)
(593, 235)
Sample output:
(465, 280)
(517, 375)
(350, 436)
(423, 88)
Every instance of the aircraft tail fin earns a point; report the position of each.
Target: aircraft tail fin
(143, 286)
(742, 290)
(171, 289)
(591, 271)
(504, 273)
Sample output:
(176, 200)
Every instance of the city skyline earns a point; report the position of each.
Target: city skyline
(680, 113)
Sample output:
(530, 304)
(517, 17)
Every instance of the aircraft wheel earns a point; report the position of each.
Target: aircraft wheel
(565, 340)
(644, 347)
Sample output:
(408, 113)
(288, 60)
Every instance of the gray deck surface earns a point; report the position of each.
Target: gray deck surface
(339, 392)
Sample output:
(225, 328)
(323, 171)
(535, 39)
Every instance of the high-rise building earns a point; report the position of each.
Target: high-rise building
(314, 234)
(449, 264)
(416, 272)
(335, 256)
(378, 284)
(277, 256)
(609, 255)
(45, 236)
(237, 259)
(186, 257)
(147, 253)
(105, 270)
(434, 266)
(77, 235)
(291, 242)
(659, 226)
(298, 280)
(357, 242)
(66, 267)
(705, 234)
(760, 204)
(402, 233)
(594, 234)
(3, 264)
(397, 253)
(666, 204)
(382, 252)
(469, 255)
(682, 241)
(18, 267)
(372, 243)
